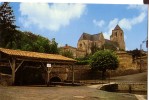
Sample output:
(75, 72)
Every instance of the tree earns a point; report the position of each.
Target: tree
(104, 60)
(67, 53)
(54, 47)
(136, 53)
(7, 26)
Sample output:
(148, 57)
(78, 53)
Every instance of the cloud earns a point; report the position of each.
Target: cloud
(111, 26)
(99, 23)
(127, 23)
(49, 16)
(138, 7)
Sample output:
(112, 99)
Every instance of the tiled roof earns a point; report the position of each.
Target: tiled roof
(35, 55)
(68, 47)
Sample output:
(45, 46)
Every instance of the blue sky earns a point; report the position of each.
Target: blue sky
(66, 22)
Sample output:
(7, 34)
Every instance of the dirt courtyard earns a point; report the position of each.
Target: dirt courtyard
(89, 92)
(60, 93)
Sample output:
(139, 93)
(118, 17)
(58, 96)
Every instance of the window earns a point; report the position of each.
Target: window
(116, 34)
(80, 45)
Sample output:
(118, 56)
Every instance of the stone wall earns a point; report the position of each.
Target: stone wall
(125, 60)
(81, 72)
(132, 87)
(84, 72)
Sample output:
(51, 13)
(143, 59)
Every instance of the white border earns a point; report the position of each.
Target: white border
(82, 1)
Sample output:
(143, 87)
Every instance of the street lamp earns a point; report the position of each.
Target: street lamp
(141, 55)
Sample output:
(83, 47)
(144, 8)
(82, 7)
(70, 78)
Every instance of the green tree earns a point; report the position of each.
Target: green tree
(67, 53)
(104, 60)
(54, 47)
(136, 53)
(7, 26)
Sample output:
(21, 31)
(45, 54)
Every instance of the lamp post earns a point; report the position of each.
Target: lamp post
(141, 55)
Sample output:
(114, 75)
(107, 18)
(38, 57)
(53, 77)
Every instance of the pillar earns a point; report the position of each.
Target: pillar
(13, 70)
(72, 74)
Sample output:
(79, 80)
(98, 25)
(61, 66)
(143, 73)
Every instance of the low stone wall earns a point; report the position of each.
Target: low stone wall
(132, 87)
(137, 88)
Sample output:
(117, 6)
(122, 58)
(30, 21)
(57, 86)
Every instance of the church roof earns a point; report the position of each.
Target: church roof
(117, 28)
(86, 36)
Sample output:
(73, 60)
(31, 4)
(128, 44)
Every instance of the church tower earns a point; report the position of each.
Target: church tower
(118, 36)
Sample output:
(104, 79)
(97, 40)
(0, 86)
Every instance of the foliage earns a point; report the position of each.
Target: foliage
(15, 39)
(7, 26)
(31, 42)
(67, 53)
(136, 53)
(104, 60)
(84, 60)
(54, 47)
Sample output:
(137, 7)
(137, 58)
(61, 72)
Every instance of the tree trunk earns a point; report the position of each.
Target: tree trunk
(103, 74)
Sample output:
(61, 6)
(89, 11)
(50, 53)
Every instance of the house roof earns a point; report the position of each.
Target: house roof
(67, 47)
(36, 55)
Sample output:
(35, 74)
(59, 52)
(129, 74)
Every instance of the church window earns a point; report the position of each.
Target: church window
(80, 45)
(116, 34)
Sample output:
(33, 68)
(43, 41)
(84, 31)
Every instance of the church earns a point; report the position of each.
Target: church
(87, 41)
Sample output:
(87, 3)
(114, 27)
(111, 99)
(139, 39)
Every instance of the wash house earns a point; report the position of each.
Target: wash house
(16, 63)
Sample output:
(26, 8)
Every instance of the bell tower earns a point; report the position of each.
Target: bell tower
(118, 36)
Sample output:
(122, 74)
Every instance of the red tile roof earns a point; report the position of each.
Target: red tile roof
(35, 55)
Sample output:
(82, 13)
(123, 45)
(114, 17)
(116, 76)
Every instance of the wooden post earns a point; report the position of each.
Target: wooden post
(72, 74)
(13, 70)
(49, 69)
(48, 76)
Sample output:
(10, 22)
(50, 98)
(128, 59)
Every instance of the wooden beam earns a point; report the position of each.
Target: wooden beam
(4, 64)
(10, 64)
(73, 78)
(19, 65)
(47, 61)
(44, 66)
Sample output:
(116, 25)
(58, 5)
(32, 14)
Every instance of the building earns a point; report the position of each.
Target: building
(87, 41)
(26, 66)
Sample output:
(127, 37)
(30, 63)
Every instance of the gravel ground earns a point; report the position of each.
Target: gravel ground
(60, 93)
(69, 92)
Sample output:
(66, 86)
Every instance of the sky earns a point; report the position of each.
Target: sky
(67, 21)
